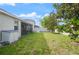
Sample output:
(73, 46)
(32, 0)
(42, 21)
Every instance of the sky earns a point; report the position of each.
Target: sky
(34, 11)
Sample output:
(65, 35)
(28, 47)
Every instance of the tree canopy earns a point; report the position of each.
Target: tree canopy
(69, 12)
(49, 22)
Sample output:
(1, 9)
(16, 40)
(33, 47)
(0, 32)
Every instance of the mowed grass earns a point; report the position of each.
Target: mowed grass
(43, 43)
(61, 44)
(33, 43)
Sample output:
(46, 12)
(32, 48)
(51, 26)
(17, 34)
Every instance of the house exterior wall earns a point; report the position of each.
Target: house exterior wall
(31, 22)
(7, 23)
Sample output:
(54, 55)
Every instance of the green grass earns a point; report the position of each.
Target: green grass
(33, 43)
(43, 43)
(61, 44)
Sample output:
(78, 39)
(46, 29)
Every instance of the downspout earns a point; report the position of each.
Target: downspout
(1, 36)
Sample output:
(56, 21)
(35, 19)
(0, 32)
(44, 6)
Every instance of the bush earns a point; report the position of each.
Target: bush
(73, 36)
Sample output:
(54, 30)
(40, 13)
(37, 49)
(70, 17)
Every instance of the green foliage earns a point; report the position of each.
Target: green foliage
(56, 5)
(70, 13)
(49, 22)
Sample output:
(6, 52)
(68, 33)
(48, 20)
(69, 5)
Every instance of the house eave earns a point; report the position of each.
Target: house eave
(9, 14)
(14, 16)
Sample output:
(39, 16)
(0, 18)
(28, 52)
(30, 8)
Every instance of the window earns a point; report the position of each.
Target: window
(16, 25)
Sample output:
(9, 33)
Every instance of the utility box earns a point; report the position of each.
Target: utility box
(10, 36)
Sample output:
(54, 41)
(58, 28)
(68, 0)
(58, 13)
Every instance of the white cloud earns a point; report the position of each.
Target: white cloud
(12, 4)
(34, 16)
(31, 15)
(47, 14)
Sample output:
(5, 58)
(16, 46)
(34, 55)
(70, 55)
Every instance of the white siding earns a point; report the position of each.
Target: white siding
(7, 23)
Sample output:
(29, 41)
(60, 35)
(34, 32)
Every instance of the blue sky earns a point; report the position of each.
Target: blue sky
(34, 11)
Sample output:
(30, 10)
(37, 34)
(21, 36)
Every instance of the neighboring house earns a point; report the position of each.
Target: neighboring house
(43, 29)
(36, 28)
(39, 29)
(12, 27)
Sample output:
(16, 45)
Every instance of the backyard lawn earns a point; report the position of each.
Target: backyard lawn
(43, 43)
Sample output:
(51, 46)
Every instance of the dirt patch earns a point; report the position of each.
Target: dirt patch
(75, 43)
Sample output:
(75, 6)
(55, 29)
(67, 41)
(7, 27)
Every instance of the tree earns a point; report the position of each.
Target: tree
(49, 22)
(70, 13)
